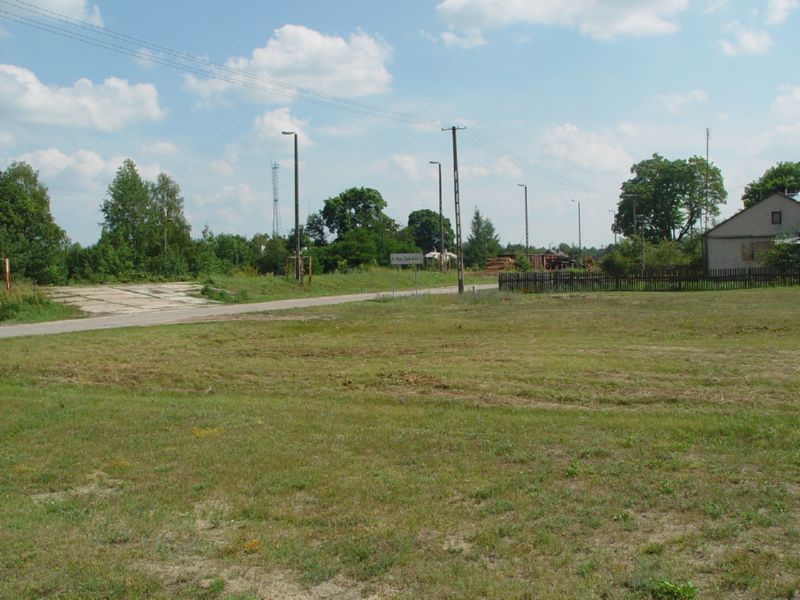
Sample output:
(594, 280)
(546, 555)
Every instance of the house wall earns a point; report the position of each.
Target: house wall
(735, 244)
(735, 253)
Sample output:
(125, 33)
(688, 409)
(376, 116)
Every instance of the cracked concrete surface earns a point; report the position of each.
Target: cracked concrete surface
(126, 299)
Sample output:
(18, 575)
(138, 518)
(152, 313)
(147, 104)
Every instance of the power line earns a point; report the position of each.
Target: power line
(64, 26)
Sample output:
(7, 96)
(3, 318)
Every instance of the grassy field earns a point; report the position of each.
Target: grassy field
(578, 446)
(244, 288)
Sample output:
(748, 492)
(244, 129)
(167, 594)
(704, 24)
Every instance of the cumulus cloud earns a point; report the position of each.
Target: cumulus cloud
(675, 103)
(161, 148)
(239, 195)
(569, 144)
(52, 162)
(598, 19)
(787, 105)
(715, 6)
(299, 56)
(339, 130)
(503, 166)
(77, 9)
(778, 10)
(6, 139)
(408, 165)
(272, 123)
(471, 38)
(744, 41)
(109, 106)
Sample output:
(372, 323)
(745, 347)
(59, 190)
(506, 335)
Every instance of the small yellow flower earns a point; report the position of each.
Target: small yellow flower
(204, 432)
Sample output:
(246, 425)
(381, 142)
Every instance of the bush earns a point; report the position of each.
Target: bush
(20, 301)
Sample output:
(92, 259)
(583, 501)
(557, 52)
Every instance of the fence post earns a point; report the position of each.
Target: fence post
(7, 268)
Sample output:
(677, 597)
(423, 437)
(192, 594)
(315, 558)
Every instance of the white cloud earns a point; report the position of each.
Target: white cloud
(778, 10)
(503, 166)
(76, 9)
(787, 105)
(598, 19)
(229, 163)
(339, 130)
(568, 144)
(109, 106)
(674, 103)
(272, 123)
(715, 6)
(6, 139)
(161, 148)
(471, 38)
(744, 40)
(408, 165)
(240, 194)
(146, 58)
(628, 129)
(52, 162)
(303, 57)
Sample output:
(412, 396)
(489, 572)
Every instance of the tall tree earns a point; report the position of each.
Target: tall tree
(131, 221)
(353, 208)
(668, 197)
(482, 242)
(783, 177)
(424, 227)
(167, 202)
(315, 229)
(29, 236)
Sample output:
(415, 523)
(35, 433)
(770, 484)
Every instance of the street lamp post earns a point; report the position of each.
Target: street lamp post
(441, 218)
(613, 228)
(580, 240)
(636, 223)
(527, 246)
(297, 259)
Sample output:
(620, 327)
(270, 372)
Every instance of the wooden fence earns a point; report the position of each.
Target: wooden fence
(649, 281)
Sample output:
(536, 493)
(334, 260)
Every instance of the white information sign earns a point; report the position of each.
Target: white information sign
(406, 259)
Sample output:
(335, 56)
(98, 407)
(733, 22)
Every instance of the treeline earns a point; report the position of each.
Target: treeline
(145, 235)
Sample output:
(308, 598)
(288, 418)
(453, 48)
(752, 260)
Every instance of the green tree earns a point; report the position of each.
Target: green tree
(784, 253)
(315, 229)
(424, 228)
(167, 205)
(131, 222)
(482, 242)
(353, 208)
(29, 236)
(783, 177)
(668, 197)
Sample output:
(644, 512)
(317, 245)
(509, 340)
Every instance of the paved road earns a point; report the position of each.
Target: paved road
(199, 313)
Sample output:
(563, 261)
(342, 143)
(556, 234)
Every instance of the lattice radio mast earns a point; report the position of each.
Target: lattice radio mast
(276, 216)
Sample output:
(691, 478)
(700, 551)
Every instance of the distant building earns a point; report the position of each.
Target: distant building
(736, 242)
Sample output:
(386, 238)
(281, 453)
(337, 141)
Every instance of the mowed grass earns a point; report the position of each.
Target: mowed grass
(575, 446)
(259, 288)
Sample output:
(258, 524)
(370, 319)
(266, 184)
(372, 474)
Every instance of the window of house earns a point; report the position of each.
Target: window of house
(777, 217)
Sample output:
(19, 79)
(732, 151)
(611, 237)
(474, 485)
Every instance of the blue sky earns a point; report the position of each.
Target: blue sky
(562, 95)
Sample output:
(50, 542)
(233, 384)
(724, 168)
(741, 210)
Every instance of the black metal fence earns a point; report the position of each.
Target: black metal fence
(647, 281)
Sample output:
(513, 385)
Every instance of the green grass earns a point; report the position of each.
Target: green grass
(249, 288)
(28, 304)
(582, 446)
